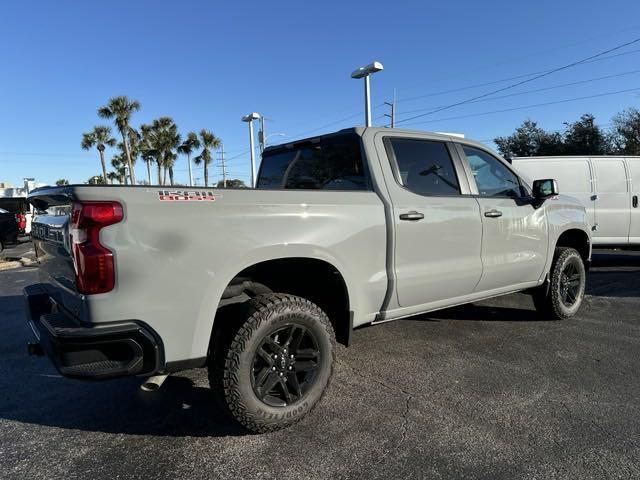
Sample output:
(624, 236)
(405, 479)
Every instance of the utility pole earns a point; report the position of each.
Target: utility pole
(224, 167)
(393, 110)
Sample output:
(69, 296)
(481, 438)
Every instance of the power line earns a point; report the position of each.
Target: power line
(522, 82)
(554, 49)
(552, 87)
(494, 82)
(637, 89)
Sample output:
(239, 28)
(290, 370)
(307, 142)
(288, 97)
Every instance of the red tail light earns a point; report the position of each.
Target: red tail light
(93, 262)
(21, 220)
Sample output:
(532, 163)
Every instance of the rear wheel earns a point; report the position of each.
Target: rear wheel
(278, 363)
(562, 295)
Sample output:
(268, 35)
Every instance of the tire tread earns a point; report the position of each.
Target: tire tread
(224, 380)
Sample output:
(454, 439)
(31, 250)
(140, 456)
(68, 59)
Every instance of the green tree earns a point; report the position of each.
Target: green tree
(208, 141)
(113, 176)
(626, 132)
(100, 137)
(120, 110)
(232, 183)
(62, 181)
(145, 147)
(530, 140)
(96, 180)
(118, 163)
(585, 137)
(187, 147)
(160, 141)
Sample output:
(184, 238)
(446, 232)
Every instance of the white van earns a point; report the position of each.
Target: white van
(608, 186)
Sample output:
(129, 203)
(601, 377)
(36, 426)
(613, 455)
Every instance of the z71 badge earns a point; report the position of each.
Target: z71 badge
(187, 196)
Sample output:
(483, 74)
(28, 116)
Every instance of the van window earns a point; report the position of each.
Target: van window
(333, 163)
(425, 167)
(611, 176)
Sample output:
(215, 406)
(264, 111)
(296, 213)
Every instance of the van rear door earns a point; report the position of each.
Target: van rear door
(634, 170)
(613, 213)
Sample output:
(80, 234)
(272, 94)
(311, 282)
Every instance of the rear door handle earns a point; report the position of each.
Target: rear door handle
(411, 216)
(635, 201)
(493, 213)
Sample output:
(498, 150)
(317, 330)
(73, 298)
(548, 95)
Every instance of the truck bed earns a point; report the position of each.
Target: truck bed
(175, 251)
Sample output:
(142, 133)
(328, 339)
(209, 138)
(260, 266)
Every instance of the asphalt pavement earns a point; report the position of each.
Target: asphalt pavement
(480, 391)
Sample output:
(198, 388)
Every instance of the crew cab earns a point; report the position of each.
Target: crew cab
(361, 226)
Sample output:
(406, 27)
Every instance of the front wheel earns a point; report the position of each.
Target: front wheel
(562, 294)
(278, 364)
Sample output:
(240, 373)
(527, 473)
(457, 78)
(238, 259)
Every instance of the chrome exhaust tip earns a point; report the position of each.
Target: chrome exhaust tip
(152, 384)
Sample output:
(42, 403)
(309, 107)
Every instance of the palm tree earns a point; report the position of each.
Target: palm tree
(100, 137)
(120, 109)
(146, 149)
(162, 140)
(118, 163)
(208, 141)
(112, 176)
(187, 147)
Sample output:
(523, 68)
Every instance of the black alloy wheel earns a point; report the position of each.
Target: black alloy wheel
(285, 365)
(570, 283)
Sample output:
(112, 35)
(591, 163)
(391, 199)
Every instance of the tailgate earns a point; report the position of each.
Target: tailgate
(50, 235)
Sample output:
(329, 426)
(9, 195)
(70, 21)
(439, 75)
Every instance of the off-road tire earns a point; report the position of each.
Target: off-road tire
(231, 366)
(547, 299)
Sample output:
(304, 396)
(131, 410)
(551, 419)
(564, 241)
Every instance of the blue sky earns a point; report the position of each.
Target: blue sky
(207, 63)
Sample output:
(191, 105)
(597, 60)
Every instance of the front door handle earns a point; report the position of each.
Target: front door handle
(493, 213)
(635, 201)
(411, 216)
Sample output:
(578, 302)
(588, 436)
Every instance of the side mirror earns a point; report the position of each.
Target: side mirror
(544, 189)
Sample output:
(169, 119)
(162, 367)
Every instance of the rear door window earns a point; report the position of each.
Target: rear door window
(333, 163)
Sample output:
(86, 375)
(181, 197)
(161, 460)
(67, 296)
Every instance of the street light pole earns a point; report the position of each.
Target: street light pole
(249, 119)
(365, 72)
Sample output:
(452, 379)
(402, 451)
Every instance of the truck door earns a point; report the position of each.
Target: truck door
(613, 212)
(437, 222)
(514, 233)
(634, 170)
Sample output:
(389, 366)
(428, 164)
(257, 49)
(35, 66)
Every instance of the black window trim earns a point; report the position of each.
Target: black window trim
(365, 165)
(472, 181)
(461, 174)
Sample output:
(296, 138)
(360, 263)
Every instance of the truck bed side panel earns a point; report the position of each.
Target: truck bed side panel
(174, 258)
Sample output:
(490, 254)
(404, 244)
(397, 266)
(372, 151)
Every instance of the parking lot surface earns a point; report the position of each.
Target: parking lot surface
(480, 391)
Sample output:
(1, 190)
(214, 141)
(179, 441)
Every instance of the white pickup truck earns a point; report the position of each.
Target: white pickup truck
(357, 227)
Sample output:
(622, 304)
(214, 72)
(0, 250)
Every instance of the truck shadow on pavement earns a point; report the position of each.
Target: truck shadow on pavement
(31, 391)
(483, 313)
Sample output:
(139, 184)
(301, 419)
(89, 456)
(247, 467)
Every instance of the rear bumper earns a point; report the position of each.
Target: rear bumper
(93, 352)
